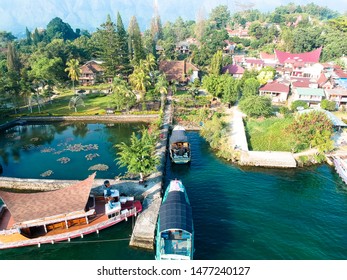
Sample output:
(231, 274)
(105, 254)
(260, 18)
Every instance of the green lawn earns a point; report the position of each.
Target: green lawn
(269, 135)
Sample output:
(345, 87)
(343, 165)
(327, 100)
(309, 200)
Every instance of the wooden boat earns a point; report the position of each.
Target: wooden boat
(47, 217)
(180, 152)
(340, 163)
(175, 230)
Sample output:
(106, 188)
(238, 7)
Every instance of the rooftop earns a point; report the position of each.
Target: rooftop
(306, 57)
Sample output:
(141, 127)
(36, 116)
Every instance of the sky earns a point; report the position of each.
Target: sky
(89, 14)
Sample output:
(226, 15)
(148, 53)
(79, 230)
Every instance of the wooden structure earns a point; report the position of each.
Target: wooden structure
(48, 217)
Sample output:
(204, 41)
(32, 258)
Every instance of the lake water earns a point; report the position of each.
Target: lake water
(239, 213)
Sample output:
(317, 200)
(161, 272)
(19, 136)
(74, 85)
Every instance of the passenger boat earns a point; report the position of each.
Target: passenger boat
(180, 152)
(340, 163)
(175, 230)
(47, 217)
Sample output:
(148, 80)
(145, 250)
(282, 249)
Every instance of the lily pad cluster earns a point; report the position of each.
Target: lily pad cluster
(46, 173)
(63, 160)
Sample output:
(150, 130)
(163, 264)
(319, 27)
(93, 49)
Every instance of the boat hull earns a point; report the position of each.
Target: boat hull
(103, 221)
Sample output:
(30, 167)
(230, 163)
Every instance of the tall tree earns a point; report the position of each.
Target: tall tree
(73, 70)
(220, 15)
(216, 63)
(136, 51)
(13, 63)
(108, 47)
(123, 51)
(28, 36)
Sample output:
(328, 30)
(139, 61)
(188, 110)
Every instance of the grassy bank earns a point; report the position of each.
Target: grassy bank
(270, 134)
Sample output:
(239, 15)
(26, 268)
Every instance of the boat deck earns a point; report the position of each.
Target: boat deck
(96, 222)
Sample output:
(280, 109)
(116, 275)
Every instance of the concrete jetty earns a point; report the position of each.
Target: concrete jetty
(268, 159)
(143, 235)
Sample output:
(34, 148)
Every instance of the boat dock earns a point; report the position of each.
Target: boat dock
(143, 235)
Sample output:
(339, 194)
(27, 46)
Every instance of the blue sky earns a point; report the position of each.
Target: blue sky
(89, 14)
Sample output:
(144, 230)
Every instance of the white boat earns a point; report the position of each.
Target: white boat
(180, 152)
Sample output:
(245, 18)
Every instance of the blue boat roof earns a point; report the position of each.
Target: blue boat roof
(176, 213)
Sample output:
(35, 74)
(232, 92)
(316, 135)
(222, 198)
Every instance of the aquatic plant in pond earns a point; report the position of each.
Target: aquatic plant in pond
(91, 156)
(98, 167)
(46, 173)
(63, 160)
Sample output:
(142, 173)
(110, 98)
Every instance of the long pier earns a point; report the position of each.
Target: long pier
(143, 235)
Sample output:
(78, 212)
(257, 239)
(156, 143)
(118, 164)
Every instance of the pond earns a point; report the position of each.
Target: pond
(63, 150)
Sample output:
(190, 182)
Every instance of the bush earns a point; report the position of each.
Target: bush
(284, 111)
(328, 105)
(298, 103)
(256, 106)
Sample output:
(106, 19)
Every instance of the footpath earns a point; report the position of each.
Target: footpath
(254, 158)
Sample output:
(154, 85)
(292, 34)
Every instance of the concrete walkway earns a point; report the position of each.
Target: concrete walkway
(238, 134)
(254, 158)
(143, 235)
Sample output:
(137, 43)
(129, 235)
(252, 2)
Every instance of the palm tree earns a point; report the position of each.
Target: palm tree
(122, 96)
(74, 71)
(139, 156)
(139, 80)
(162, 86)
(75, 101)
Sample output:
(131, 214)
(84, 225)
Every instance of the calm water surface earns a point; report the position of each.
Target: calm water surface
(238, 214)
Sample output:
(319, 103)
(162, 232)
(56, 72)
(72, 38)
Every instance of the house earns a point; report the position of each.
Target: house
(91, 72)
(253, 63)
(313, 96)
(325, 82)
(239, 32)
(303, 82)
(269, 59)
(339, 95)
(307, 58)
(238, 59)
(278, 92)
(183, 47)
(234, 70)
(180, 71)
(230, 47)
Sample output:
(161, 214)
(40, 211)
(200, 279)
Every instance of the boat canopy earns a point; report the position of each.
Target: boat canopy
(178, 136)
(26, 207)
(176, 213)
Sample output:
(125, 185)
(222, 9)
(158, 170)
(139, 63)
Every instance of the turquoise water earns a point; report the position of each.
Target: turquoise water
(342, 82)
(239, 213)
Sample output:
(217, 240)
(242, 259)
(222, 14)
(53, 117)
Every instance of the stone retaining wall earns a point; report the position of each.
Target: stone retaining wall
(268, 159)
(103, 118)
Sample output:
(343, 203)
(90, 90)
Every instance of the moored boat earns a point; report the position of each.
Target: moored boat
(340, 163)
(47, 217)
(180, 152)
(175, 229)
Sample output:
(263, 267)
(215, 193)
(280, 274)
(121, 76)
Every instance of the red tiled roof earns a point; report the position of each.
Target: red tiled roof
(302, 84)
(174, 70)
(233, 69)
(91, 67)
(322, 79)
(255, 61)
(312, 56)
(275, 87)
(340, 73)
(31, 206)
(264, 55)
